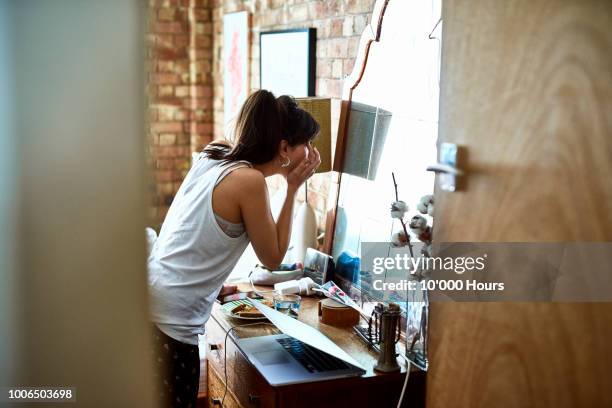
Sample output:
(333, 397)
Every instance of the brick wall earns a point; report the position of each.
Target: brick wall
(186, 80)
(180, 93)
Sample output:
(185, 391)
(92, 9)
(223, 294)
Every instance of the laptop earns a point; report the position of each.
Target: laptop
(300, 354)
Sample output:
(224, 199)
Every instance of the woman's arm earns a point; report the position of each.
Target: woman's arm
(270, 240)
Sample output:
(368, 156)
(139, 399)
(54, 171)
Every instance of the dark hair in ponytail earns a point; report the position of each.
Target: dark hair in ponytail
(262, 123)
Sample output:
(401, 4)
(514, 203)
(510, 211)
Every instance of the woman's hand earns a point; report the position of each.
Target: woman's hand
(304, 170)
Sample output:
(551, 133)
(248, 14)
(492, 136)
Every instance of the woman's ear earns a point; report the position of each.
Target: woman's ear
(283, 148)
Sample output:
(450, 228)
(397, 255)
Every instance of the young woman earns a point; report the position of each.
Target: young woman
(220, 207)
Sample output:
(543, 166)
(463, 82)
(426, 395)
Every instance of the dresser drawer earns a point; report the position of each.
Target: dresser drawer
(215, 336)
(250, 388)
(246, 384)
(216, 389)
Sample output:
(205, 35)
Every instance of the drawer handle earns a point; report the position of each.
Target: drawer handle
(215, 402)
(254, 399)
(213, 347)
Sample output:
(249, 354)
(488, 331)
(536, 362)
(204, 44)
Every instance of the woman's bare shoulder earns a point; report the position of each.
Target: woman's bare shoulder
(248, 174)
(243, 186)
(246, 179)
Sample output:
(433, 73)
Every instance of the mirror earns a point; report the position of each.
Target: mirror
(391, 127)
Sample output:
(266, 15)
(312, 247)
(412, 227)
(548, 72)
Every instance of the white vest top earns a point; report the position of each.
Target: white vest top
(192, 256)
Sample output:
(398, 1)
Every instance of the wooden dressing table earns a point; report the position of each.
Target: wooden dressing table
(247, 388)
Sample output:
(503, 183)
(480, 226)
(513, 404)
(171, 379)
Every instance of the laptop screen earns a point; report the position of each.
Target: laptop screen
(305, 333)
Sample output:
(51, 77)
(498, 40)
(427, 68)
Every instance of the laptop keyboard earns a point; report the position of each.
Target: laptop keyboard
(312, 359)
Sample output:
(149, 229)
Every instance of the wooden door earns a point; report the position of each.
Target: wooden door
(526, 87)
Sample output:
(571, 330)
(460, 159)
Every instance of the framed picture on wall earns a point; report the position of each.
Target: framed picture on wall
(235, 64)
(287, 61)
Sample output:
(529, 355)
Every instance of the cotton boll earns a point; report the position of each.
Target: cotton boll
(398, 209)
(399, 239)
(425, 205)
(418, 224)
(425, 236)
(427, 199)
(422, 208)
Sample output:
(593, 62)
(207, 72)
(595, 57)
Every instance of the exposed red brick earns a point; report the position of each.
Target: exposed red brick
(170, 27)
(316, 10)
(169, 53)
(167, 127)
(203, 41)
(200, 128)
(182, 66)
(165, 164)
(166, 14)
(169, 101)
(202, 91)
(165, 66)
(183, 139)
(337, 69)
(167, 139)
(165, 90)
(195, 103)
(181, 91)
(338, 47)
(163, 40)
(336, 26)
(359, 6)
(347, 66)
(181, 40)
(164, 79)
(353, 45)
(201, 15)
(165, 113)
(324, 67)
(181, 114)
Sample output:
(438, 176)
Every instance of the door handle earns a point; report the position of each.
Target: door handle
(446, 168)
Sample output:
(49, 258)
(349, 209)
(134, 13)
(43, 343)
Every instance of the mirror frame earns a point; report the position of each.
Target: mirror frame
(370, 34)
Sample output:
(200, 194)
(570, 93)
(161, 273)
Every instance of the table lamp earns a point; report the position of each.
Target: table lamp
(304, 231)
(320, 109)
(365, 138)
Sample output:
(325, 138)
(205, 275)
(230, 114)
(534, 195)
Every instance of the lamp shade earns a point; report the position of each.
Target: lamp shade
(365, 138)
(320, 109)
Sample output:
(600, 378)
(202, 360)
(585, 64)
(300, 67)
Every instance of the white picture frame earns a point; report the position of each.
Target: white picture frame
(287, 62)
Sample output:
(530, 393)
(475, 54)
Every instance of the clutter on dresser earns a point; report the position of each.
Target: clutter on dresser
(318, 266)
(261, 275)
(304, 286)
(385, 321)
(288, 304)
(243, 309)
(337, 314)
